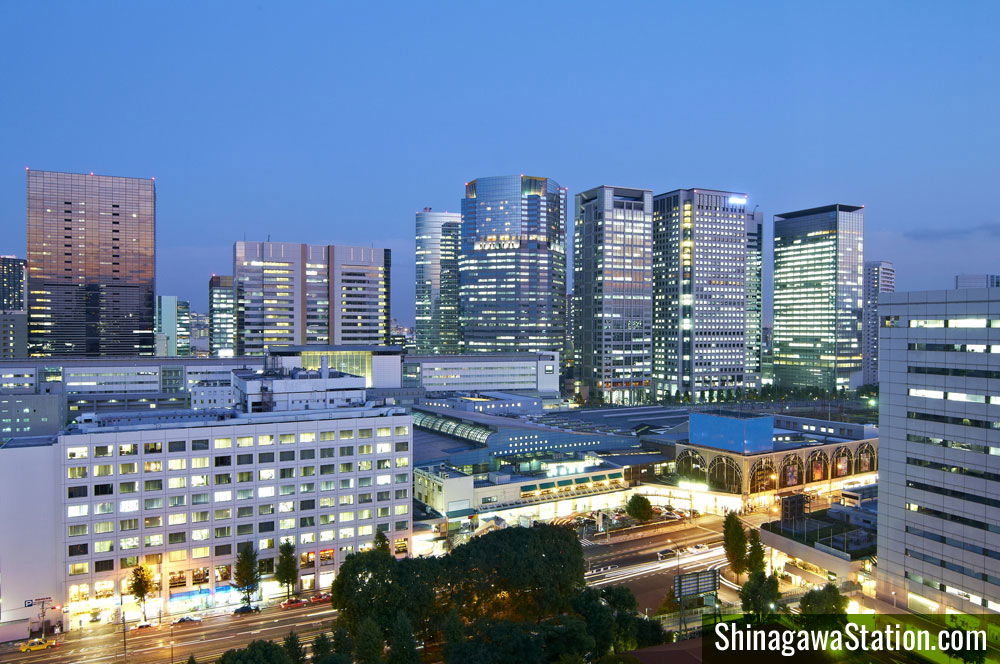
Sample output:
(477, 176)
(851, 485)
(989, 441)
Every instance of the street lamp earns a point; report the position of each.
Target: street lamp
(894, 599)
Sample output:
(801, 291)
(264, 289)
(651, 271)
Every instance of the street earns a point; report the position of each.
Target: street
(206, 640)
(633, 564)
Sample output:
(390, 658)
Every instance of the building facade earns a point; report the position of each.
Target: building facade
(939, 418)
(613, 294)
(291, 294)
(13, 284)
(977, 281)
(706, 293)
(520, 372)
(173, 326)
(438, 236)
(181, 496)
(91, 264)
(880, 277)
(818, 297)
(221, 316)
(512, 265)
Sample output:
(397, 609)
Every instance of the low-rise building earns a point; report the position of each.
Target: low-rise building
(536, 373)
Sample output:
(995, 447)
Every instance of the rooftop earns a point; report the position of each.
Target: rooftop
(26, 441)
(334, 348)
(183, 418)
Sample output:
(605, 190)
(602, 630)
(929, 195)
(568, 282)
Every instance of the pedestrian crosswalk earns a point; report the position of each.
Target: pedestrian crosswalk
(586, 542)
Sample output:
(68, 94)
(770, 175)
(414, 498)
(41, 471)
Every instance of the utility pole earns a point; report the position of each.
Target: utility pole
(42, 616)
(124, 638)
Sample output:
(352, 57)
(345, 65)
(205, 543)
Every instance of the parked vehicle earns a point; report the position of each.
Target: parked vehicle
(293, 603)
(245, 609)
(319, 598)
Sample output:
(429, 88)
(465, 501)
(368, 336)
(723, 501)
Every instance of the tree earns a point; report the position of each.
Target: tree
(256, 652)
(141, 586)
(638, 508)
(402, 645)
(500, 642)
(734, 542)
(759, 596)
(599, 617)
(192, 660)
(286, 570)
(294, 649)
(342, 642)
(246, 572)
(669, 604)
(368, 643)
(381, 542)
(321, 646)
(755, 554)
(823, 608)
(966, 654)
(648, 632)
(566, 635)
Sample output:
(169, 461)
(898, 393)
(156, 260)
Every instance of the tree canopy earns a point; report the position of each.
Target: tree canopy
(759, 596)
(246, 571)
(734, 543)
(639, 508)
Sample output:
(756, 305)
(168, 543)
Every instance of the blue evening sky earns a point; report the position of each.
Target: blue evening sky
(335, 122)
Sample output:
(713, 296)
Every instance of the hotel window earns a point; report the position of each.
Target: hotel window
(286, 438)
(152, 448)
(76, 452)
(199, 445)
(223, 443)
(128, 449)
(346, 435)
(177, 464)
(177, 446)
(79, 568)
(76, 472)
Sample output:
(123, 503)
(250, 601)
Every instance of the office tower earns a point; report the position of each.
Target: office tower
(613, 294)
(939, 429)
(221, 316)
(512, 266)
(818, 255)
(977, 280)
(290, 294)
(706, 299)
(13, 334)
(173, 326)
(755, 299)
(880, 277)
(438, 236)
(13, 284)
(91, 264)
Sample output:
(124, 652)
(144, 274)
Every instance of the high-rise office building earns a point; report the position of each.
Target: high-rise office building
(290, 294)
(939, 451)
(173, 326)
(91, 264)
(438, 235)
(221, 316)
(818, 299)
(977, 281)
(512, 265)
(13, 283)
(706, 293)
(613, 294)
(880, 277)
(754, 338)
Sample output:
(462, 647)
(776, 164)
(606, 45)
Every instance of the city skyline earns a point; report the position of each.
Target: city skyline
(836, 146)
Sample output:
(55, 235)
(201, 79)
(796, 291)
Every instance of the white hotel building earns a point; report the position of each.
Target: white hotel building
(178, 491)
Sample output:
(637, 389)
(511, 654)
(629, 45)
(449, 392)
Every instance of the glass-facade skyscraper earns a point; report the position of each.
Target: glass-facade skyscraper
(173, 326)
(512, 265)
(818, 299)
(706, 294)
(438, 235)
(613, 294)
(91, 264)
(221, 316)
(13, 283)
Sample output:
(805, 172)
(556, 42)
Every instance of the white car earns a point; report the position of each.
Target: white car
(698, 548)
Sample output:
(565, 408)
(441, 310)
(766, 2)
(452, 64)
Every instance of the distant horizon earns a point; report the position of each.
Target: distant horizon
(326, 126)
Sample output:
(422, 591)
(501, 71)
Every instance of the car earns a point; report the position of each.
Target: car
(293, 603)
(319, 598)
(666, 554)
(143, 624)
(37, 644)
(187, 619)
(245, 609)
(698, 548)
